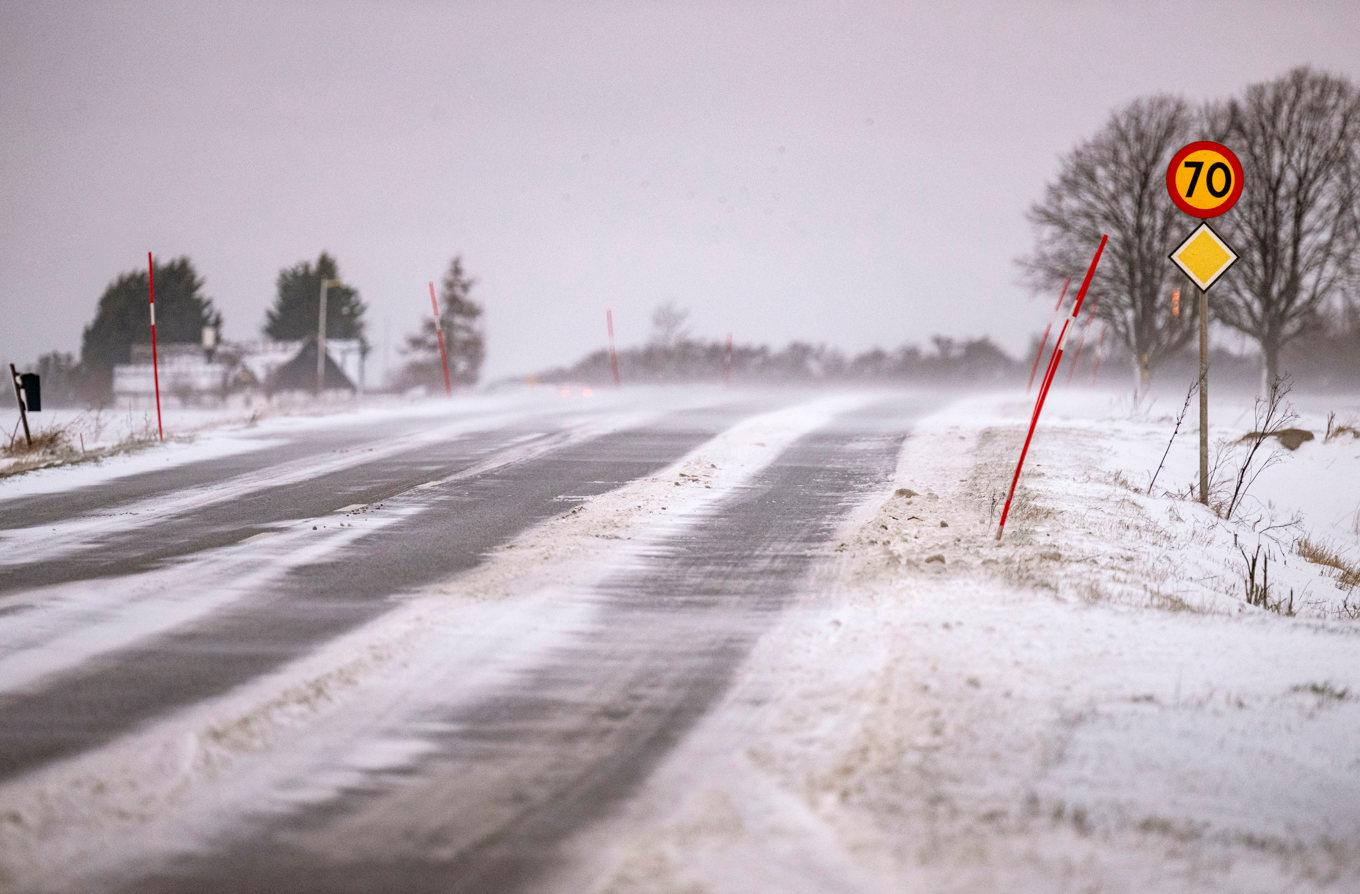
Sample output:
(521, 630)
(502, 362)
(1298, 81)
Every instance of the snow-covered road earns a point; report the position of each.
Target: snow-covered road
(421, 655)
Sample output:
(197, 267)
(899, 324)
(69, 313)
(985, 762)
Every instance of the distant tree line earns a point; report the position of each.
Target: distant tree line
(184, 310)
(672, 355)
(1296, 227)
(1331, 360)
(975, 361)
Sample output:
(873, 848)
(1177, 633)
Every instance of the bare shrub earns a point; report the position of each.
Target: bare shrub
(1273, 415)
(1258, 592)
(1190, 392)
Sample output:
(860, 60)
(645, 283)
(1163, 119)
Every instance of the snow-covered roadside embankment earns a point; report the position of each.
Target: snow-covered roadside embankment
(1088, 705)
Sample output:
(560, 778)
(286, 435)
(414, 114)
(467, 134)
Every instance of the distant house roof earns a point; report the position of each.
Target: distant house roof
(299, 373)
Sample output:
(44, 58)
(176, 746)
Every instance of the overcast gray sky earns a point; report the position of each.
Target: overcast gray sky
(855, 173)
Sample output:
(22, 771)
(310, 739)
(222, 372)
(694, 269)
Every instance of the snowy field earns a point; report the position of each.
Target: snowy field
(1089, 705)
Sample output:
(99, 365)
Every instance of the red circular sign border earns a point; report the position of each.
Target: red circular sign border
(1233, 162)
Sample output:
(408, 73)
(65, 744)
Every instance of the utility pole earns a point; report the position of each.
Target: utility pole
(321, 335)
(23, 408)
(1203, 397)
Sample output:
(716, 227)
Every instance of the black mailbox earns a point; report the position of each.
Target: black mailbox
(32, 393)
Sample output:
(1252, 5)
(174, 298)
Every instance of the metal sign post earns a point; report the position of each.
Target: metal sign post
(1203, 397)
(23, 410)
(1204, 179)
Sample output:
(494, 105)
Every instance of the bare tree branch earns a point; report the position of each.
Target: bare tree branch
(1114, 183)
(1296, 226)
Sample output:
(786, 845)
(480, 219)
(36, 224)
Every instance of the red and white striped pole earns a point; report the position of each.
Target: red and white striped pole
(1043, 343)
(1053, 362)
(439, 334)
(613, 354)
(727, 362)
(155, 360)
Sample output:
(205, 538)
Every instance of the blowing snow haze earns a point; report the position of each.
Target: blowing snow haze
(850, 174)
(362, 559)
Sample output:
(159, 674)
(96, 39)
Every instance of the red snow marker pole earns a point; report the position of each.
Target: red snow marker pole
(727, 362)
(439, 333)
(1043, 343)
(613, 354)
(155, 361)
(1048, 379)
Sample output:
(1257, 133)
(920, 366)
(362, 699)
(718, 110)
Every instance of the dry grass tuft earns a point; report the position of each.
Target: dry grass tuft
(49, 441)
(1348, 573)
(1337, 429)
(65, 444)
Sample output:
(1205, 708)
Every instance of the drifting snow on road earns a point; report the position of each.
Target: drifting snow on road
(717, 639)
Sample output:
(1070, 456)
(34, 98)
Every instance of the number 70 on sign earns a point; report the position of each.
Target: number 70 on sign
(1204, 179)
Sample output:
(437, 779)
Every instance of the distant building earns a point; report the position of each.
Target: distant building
(299, 372)
(190, 374)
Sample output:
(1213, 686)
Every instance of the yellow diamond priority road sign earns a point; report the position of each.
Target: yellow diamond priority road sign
(1204, 257)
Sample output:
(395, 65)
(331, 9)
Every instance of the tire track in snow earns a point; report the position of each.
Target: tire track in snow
(457, 518)
(569, 734)
(25, 546)
(442, 649)
(72, 623)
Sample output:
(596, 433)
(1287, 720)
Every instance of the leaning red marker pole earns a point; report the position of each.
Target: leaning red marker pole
(1048, 379)
(613, 354)
(439, 333)
(155, 361)
(1043, 342)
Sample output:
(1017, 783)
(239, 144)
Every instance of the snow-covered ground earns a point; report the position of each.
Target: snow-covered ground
(1088, 705)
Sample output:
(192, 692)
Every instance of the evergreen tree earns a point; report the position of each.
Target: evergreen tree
(297, 303)
(123, 319)
(460, 318)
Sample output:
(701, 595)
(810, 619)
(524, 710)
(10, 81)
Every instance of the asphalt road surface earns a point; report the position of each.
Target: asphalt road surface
(502, 775)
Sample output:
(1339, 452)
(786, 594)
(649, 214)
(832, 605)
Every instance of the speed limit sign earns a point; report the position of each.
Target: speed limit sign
(1204, 179)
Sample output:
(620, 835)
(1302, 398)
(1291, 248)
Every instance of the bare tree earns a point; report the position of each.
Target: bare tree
(1115, 183)
(1296, 227)
(668, 325)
